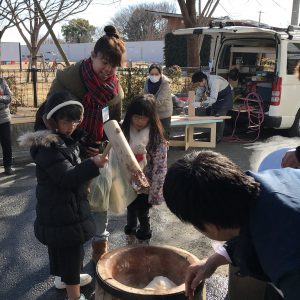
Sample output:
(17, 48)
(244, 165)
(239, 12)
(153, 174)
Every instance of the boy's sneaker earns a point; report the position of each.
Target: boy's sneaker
(85, 279)
(82, 297)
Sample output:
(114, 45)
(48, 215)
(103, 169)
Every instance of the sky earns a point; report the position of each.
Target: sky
(272, 12)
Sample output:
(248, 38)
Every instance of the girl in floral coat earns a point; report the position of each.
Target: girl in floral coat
(144, 132)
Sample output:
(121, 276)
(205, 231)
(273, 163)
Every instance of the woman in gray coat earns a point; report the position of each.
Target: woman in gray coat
(5, 131)
(158, 85)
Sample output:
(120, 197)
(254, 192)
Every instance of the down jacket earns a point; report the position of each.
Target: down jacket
(5, 100)
(62, 211)
(164, 103)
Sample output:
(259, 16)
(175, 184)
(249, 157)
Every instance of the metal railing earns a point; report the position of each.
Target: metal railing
(31, 86)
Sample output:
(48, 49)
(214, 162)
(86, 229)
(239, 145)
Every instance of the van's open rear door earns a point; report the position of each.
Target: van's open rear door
(229, 31)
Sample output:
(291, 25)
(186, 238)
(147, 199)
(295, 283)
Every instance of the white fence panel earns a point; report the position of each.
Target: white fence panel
(146, 51)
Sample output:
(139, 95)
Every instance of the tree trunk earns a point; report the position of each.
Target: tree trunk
(34, 59)
(188, 11)
(193, 53)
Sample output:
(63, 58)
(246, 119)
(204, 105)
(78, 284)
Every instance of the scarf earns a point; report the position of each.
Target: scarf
(153, 87)
(99, 93)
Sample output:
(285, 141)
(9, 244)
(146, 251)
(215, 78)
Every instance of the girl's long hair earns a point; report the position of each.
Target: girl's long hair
(144, 105)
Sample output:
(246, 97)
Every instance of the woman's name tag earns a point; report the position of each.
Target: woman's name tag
(105, 114)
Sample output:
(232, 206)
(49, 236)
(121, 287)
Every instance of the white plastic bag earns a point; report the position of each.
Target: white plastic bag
(100, 188)
(111, 189)
(122, 193)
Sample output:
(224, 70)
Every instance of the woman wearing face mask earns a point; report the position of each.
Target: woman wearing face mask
(158, 85)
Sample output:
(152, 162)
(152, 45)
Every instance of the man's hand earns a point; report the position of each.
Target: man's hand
(197, 272)
(290, 160)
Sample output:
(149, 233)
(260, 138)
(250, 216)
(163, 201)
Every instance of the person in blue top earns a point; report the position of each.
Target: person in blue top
(257, 214)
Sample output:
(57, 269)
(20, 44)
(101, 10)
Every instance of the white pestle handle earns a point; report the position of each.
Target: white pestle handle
(106, 149)
(125, 156)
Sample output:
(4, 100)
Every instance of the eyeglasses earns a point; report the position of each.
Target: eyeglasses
(68, 122)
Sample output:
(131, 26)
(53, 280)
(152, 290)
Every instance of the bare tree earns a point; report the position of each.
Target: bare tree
(190, 18)
(25, 17)
(137, 22)
(5, 21)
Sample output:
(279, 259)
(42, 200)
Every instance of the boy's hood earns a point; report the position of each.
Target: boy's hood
(39, 138)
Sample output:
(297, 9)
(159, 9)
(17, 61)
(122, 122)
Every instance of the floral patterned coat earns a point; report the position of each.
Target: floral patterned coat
(155, 171)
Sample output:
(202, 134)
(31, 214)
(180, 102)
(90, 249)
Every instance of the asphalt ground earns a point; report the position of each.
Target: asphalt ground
(24, 261)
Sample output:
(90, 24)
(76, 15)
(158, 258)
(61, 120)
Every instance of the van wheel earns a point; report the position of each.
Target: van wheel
(295, 129)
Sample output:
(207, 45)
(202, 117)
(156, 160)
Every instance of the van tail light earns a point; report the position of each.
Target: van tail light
(276, 91)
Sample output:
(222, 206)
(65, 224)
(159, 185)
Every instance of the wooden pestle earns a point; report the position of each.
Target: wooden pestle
(127, 160)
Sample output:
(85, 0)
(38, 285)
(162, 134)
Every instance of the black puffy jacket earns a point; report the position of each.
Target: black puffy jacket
(62, 211)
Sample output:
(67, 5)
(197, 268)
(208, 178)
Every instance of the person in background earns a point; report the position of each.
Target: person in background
(219, 100)
(5, 130)
(63, 222)
(158, 85)
(143, 131)
(257, 214)
(94, 83)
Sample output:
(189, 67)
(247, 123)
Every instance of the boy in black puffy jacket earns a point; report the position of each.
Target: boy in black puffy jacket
(63, 221)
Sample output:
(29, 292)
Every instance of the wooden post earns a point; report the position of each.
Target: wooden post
(191, 99)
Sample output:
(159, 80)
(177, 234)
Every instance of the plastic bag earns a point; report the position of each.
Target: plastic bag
(122, 193)
(111, 189)
(100, 189)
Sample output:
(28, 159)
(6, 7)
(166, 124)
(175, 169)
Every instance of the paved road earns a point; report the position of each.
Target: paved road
(24, 262)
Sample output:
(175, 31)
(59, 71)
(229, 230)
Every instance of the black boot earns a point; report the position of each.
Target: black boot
(9, 171)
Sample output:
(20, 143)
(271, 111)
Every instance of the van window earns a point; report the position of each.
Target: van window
(237, 58)
(225, 57)
(293, 56)
(251, 55)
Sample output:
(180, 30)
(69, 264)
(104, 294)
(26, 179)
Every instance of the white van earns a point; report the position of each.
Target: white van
(266, 59)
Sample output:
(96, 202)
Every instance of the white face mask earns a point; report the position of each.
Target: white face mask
(154, 78)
